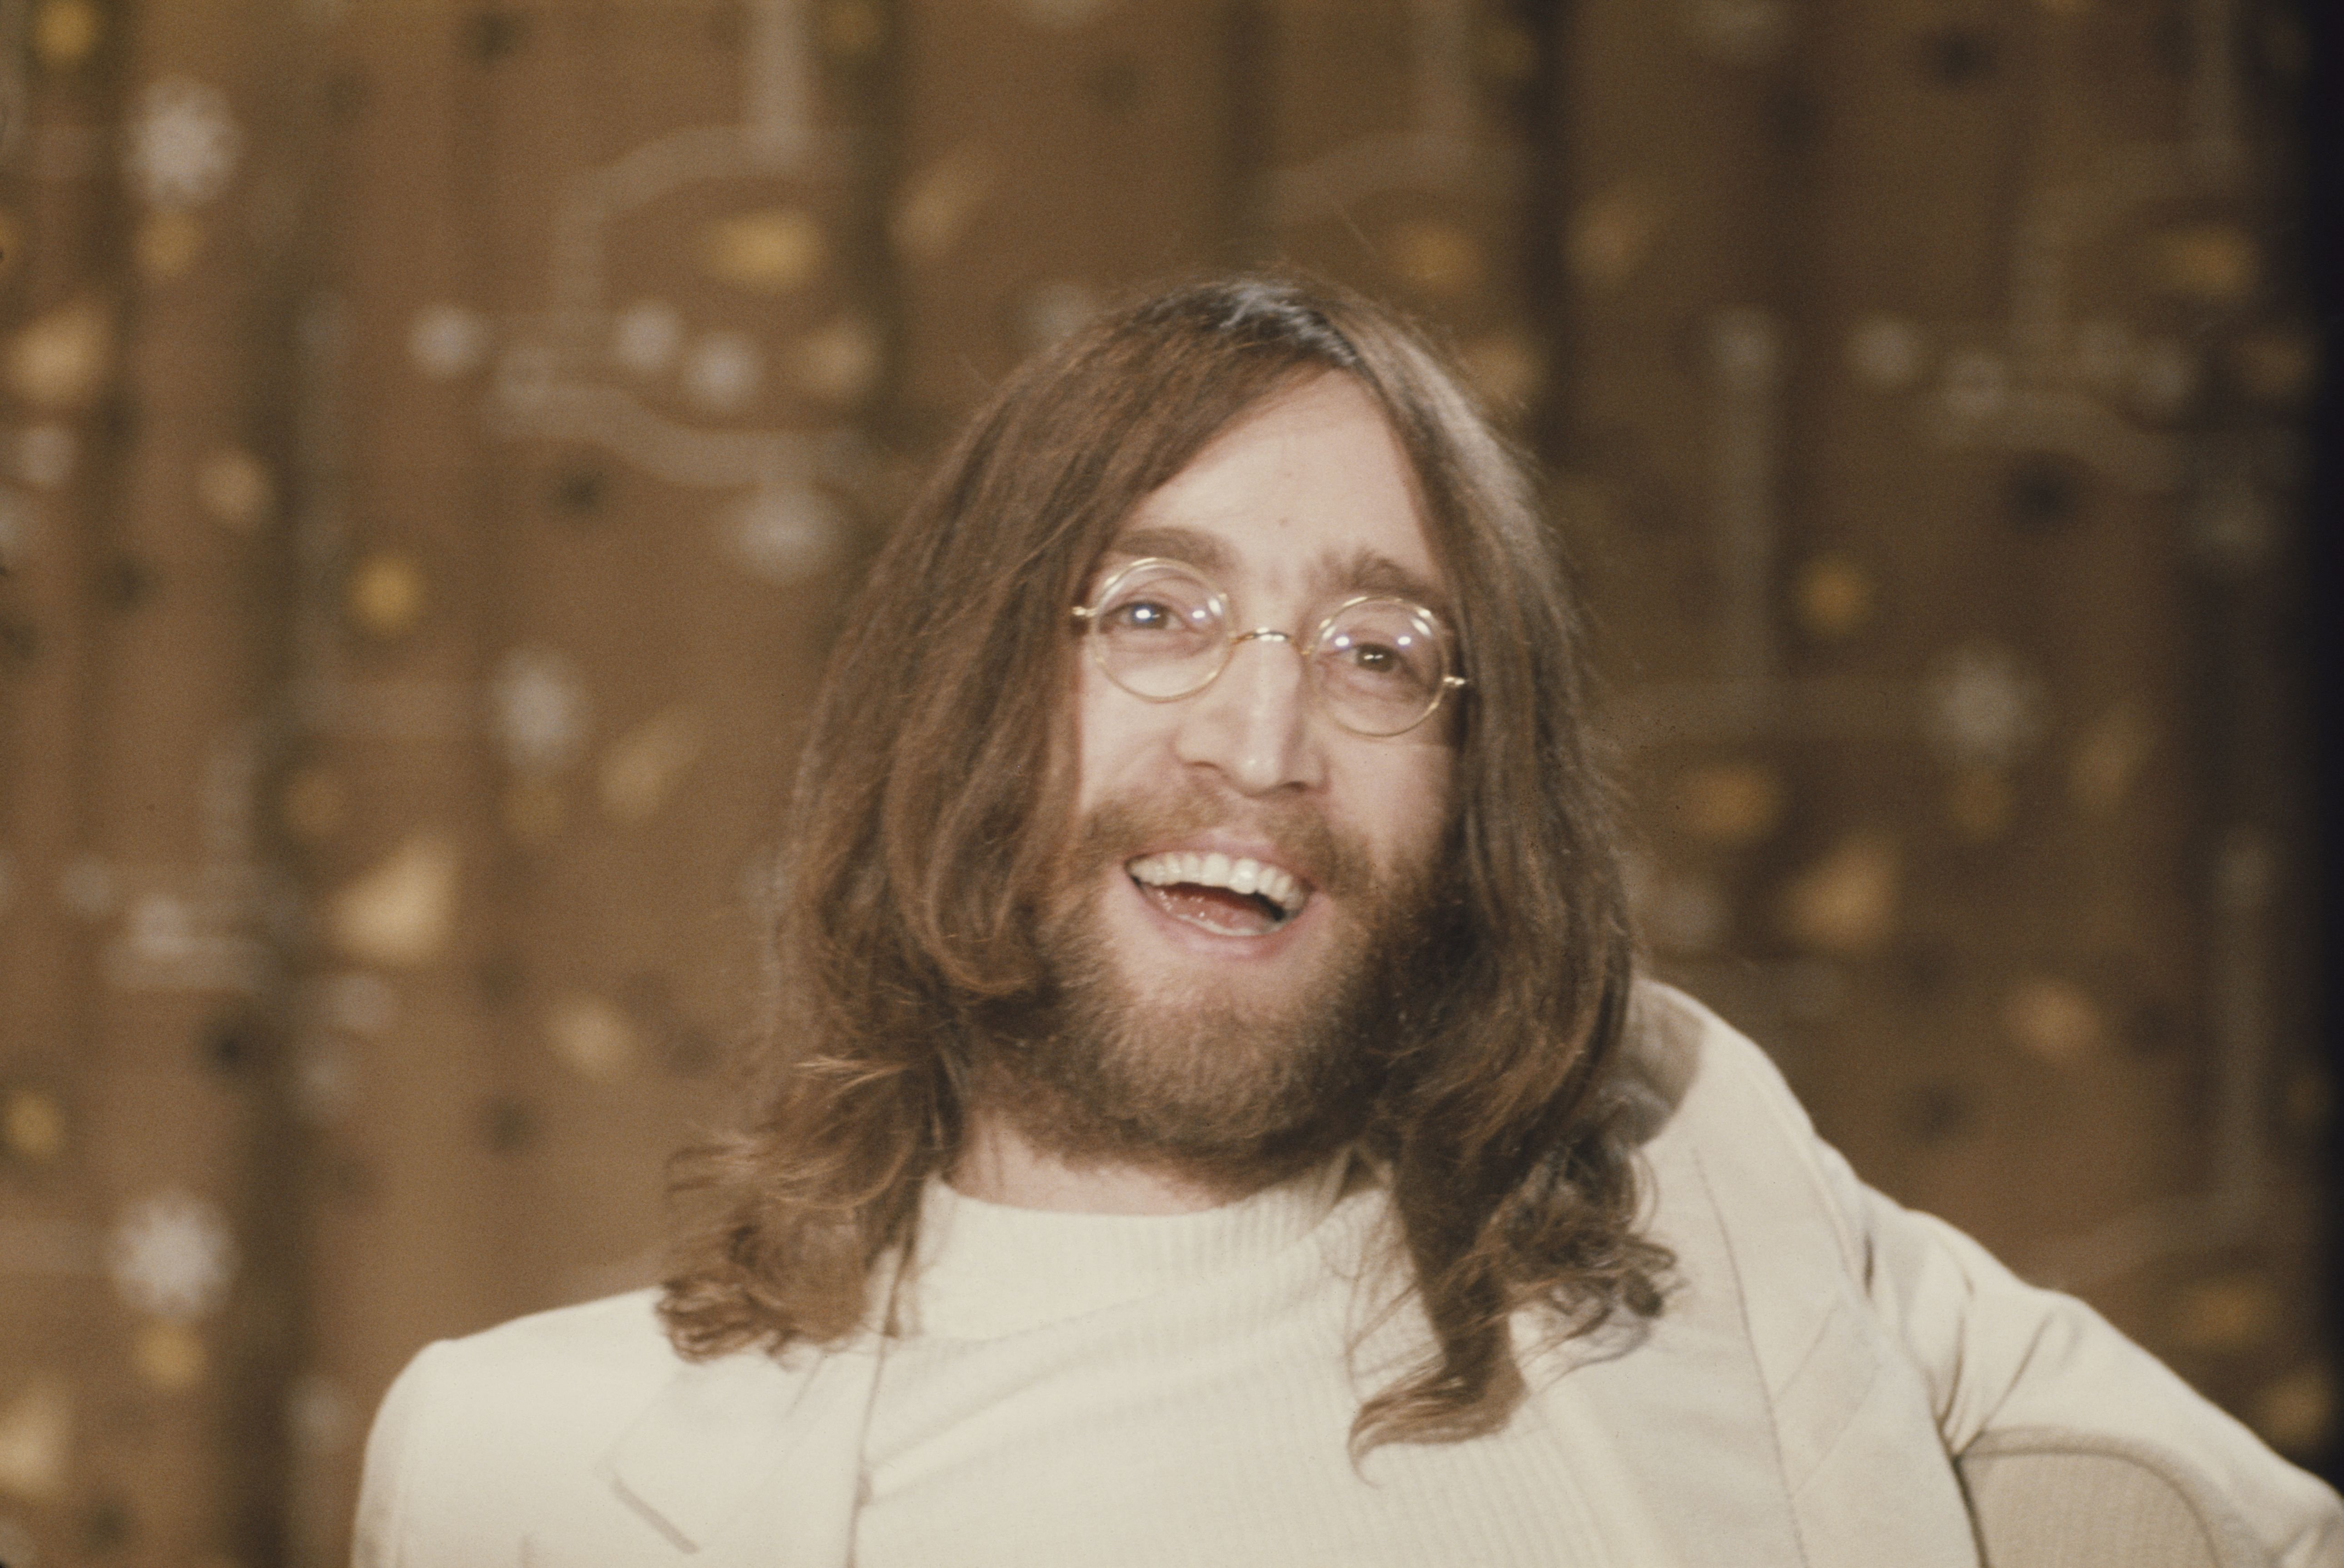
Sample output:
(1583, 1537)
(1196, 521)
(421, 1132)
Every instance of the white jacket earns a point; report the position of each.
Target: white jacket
(1824, 1357)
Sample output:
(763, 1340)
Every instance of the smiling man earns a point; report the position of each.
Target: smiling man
(1257, 833)
(1209, 1117)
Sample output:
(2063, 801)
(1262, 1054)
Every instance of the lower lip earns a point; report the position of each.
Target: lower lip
(1213, 944)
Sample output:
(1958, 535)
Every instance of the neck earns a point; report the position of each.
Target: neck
(998, 1164)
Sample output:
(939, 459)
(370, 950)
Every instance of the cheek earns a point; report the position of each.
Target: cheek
(1437, 787)
(1400, 799)
(1110, 737)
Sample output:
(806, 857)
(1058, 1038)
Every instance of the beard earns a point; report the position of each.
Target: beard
(1224, 1084)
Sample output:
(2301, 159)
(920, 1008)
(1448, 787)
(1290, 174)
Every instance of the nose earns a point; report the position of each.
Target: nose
(1251, 725)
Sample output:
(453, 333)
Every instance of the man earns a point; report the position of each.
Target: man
(1209, 1119)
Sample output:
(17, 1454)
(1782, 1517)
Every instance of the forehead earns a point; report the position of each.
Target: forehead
(1307, 494)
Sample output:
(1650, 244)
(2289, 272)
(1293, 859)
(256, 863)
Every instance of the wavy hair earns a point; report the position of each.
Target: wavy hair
(933, 792)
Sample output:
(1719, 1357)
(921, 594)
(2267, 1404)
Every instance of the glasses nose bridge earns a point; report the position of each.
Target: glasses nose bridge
(1264, 634)
(1270, 634)
(1307, 696)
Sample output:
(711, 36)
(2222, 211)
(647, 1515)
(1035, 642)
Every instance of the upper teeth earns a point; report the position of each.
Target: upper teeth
(1218, 870)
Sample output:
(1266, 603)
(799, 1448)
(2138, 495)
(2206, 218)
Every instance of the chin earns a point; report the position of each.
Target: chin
(1190, 1048)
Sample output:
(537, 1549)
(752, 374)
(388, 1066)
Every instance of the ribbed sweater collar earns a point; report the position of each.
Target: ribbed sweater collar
(983, 1270)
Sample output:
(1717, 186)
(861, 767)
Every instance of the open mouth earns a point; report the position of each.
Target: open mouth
(1229, 898)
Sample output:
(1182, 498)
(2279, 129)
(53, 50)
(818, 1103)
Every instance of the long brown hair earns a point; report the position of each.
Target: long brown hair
(935, 776)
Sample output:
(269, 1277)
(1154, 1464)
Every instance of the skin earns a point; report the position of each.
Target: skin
(1298, 505)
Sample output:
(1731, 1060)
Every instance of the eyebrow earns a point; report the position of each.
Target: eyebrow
(1185, 545)
(1366, 571)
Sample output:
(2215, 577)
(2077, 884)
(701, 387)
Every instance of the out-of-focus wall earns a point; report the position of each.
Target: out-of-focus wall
(439, 439)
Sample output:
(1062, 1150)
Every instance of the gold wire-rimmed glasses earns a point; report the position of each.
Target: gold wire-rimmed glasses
(1160, 630)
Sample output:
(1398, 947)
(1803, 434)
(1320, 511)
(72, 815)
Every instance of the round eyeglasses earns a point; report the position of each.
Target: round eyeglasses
(1160, 630)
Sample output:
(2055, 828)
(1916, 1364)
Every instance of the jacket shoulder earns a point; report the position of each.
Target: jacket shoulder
(1687, 1072)
(480, 1434)
(566, 1380)
(1717, 1119)
(617, 1336)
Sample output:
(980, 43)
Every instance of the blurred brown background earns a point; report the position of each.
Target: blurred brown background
(438, 440)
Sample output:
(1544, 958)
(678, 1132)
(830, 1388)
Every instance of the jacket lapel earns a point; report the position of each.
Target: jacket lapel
(1685, 1407)
(748, 1459)
(1682, 1399)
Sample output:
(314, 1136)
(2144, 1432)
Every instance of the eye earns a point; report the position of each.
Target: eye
(1371, 660)
(1381, 660)
(1141, 615)
(1159, 605)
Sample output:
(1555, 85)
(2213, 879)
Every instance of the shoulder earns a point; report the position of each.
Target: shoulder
(1689, 1072)
(581, 1436)
(1718, 1124)
(618, 1337)
(569, 1357)
(479, 1432)
(549, 1379)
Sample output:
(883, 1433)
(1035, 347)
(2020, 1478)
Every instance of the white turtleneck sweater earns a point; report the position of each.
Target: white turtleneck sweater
(1139, 1391)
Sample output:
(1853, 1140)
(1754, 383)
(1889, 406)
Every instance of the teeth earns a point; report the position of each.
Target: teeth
(1218, 870)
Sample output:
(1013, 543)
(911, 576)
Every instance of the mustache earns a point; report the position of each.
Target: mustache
(1334, 860)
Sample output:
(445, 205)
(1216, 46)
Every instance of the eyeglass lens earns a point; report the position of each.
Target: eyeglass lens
(1164, 633)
